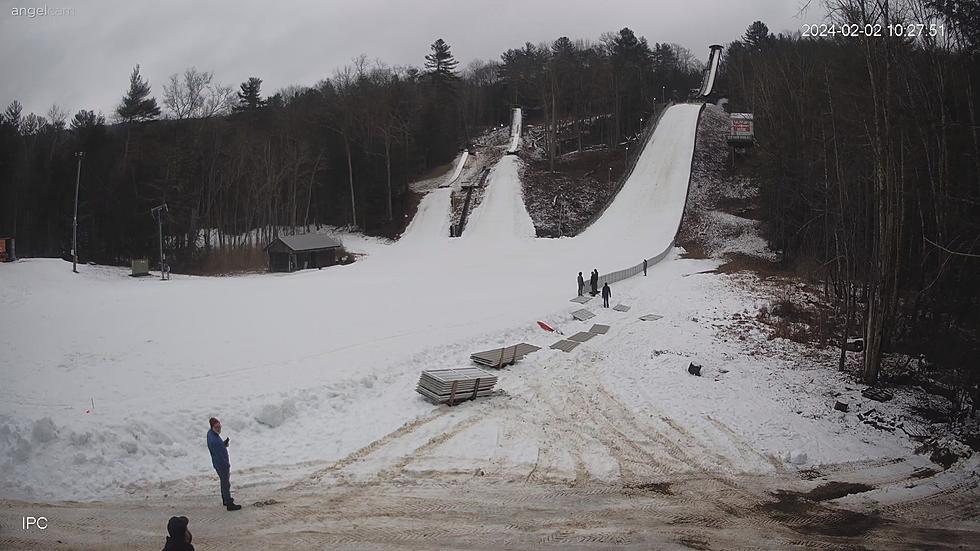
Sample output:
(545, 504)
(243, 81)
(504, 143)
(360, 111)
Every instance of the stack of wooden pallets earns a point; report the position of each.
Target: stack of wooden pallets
(451, 386)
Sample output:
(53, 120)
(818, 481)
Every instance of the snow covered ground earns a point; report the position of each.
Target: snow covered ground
(314, 372)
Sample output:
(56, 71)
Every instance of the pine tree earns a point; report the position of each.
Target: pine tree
(12, 115)
(440, 63)
(137, 105)
(250, 96)
(86, 119)
(757, 36)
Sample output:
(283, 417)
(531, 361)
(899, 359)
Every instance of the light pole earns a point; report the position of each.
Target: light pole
(158, 212)
(74, 223)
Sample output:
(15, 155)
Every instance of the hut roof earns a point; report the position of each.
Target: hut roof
(308, 242)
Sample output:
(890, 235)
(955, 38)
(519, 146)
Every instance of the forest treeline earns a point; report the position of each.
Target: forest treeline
(869, 157)
(232, 161)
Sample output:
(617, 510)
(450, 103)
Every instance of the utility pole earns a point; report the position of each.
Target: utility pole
(158, 212)
(626, 161)
(74, 224)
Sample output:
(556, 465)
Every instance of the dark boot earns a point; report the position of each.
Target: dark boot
(233, 506)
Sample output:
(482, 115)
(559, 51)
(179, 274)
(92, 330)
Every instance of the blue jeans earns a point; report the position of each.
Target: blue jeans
(224, 476)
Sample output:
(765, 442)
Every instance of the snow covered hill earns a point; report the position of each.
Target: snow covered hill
(309, 368)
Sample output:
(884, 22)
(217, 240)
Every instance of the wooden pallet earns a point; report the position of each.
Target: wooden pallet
(582, 314)
(621, 308)
(564, 345)
(582, 299)
(599, 329)
(877, 394)
(500, 357)
(581, 336)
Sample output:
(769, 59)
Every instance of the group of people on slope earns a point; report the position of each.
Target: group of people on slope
(594, 284)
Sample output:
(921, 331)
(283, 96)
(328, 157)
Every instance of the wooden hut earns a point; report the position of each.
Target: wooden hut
(299, 252)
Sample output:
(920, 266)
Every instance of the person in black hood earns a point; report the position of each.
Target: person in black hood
(180, 537)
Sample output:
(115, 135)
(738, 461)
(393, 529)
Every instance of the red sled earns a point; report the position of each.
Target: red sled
(549, 328)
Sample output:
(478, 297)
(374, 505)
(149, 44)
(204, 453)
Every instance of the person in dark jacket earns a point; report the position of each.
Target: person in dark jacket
(644, 266)
(581, 284)
(219, 459)
(180, 537)
(606, 293)
(594, 282)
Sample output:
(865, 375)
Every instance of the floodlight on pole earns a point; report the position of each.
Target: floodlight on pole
(74, 223)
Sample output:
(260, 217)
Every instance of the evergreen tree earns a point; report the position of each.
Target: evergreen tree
(86, 119)
(757, 36)
(250, 96)
(440, 63)
(12, 115)
(137, 105)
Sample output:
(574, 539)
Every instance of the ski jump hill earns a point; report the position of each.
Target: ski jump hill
(641, 222)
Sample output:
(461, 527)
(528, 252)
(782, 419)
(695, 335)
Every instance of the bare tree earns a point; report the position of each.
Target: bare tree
(196, 95)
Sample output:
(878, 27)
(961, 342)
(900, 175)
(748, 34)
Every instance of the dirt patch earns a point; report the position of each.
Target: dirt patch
(834, 490)
(692, 542)
(436, 172)
(662, 488)
(738, 262)
(810, 474)
(923, 473)
(797, 512)
(744, 207)
(584, 181)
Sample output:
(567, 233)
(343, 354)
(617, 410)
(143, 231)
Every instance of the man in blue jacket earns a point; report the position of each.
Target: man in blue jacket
(219, 458)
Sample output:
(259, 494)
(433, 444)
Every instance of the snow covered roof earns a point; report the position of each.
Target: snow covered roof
(308, 242)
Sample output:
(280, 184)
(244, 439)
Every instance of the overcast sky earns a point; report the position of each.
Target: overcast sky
(83, 59)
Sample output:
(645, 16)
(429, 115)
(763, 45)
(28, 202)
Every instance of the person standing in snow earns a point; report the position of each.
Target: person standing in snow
(606, 293)
(180, 537)
(594, 282)
(219, 459)
(644, 267)
(581, 284)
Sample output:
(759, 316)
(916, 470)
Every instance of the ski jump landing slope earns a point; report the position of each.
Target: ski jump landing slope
(459, 169)
(646, 214)
(431, 222)
(515, 131)
(502, 218)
